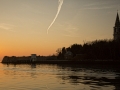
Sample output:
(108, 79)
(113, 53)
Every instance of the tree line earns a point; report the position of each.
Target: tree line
(94, 50)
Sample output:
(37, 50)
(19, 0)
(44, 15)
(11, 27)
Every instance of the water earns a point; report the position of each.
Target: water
(58, 77)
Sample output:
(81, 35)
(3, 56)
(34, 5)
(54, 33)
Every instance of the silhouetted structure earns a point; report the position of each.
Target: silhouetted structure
(68, 55)
(33, 57)
(116, 33)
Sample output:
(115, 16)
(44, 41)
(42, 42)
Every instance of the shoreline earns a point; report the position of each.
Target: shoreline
(64, 62)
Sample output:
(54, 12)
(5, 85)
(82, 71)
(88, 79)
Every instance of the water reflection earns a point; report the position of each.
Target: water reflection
(82, 77)
(33, 66)
(99, 77)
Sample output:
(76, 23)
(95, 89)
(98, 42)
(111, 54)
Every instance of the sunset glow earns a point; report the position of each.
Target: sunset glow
(24, 24)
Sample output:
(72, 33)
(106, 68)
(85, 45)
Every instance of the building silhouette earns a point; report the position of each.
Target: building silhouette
(116, 33)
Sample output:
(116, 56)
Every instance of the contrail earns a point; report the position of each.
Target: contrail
(60, 2)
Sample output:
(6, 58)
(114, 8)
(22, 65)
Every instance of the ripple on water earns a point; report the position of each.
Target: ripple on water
(57, 77)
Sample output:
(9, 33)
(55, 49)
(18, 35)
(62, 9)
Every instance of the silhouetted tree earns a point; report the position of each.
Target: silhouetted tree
(96, 50)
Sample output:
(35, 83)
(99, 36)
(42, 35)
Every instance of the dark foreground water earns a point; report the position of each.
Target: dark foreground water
(58, 77)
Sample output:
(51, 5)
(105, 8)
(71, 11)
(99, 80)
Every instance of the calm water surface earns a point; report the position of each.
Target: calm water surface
(58, 77)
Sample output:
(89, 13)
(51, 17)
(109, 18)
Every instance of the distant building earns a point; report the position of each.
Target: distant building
(68, 55)
(116, 33)
(33, 57)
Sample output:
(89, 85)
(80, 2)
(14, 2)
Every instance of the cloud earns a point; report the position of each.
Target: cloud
(7, 27)
(101, 5)
(71, 31)
(98, 8)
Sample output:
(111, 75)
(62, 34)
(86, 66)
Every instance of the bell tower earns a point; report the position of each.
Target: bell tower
(116, 33)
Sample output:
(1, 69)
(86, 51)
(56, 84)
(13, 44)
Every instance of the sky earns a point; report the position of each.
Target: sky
(24, 24)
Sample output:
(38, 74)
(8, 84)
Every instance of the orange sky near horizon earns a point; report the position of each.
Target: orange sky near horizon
(24, 23)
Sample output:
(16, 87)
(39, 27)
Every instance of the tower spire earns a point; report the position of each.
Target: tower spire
(116, 33)
(117, 22)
